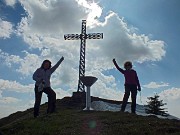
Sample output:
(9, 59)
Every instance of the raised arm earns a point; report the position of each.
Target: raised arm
(116, 65)
(57, 65)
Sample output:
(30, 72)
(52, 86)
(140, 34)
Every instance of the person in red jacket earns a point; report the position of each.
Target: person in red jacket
(131, 85)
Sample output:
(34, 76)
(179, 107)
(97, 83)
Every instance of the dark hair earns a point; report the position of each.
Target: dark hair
(42, 66)
(127, 63)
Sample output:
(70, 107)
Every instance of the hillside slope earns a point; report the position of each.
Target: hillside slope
(71, 120)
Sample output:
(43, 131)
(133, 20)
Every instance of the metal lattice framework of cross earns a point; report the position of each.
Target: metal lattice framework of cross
(83, 36)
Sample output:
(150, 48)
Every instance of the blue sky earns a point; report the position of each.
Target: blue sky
(145, 32)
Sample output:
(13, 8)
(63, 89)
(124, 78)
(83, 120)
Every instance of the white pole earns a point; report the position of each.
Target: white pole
(88, 99)
(88, 82)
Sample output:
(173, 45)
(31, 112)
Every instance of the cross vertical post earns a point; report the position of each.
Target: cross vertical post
(83, 36)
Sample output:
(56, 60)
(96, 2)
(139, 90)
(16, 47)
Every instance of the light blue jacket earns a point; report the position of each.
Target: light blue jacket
(41, 75)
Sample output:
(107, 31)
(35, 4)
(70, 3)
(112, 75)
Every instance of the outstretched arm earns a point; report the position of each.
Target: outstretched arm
(57, 65)
(116, 65)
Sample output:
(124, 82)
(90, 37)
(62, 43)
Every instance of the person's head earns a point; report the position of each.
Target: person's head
(128, 65)
(46, 64)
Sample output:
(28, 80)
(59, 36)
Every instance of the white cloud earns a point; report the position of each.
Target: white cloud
(9, 59)
(122, 43)
(53, 17)
(61, 93)
(10, 2)
(40, 30)
(93, 9)
(171, 94)
(172, 98)
(8, 104)
(7, 110)
(6, 29)
(154, 85)
(0, 92)
(105, 86)
(12, 107)
(100, 89)
(15, 86)
(9, 100)
(27, 64)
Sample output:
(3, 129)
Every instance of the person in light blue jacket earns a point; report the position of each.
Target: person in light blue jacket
(42, 77)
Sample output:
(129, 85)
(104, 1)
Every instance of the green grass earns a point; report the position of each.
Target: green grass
(70, 120)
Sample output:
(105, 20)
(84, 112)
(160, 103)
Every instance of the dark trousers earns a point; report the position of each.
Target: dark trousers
(51, 100)
(133, 90)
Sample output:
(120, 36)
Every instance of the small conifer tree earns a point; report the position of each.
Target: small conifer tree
(154, 106)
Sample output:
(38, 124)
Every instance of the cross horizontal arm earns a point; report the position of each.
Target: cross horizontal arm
(94, 36)
(71, 36)
(87, 36)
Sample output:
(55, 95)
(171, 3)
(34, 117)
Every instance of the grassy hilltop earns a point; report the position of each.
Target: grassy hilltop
(71, 120)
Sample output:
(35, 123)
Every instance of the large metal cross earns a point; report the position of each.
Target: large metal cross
(83, 36)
